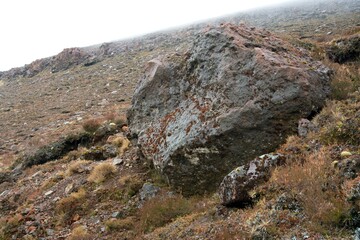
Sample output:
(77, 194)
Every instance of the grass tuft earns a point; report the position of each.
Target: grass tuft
(101, 172)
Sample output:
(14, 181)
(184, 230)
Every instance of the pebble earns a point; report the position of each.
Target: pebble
(69, 188)
(56, 199)
(49, 232)
(35, 174)
(117, 161)
(49, 193)
(115, 215)
(345, 154)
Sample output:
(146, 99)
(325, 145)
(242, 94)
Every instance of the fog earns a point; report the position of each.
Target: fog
(32, 29)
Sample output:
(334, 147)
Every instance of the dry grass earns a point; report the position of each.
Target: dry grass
(79, 233)
(131, 183)
(346, 80)
(162, 210)
(340, 122)
(69, 206)
(316, 185)
(77, 167)
(120, 224)
(91, 125)
(9, 225)
(101, 172)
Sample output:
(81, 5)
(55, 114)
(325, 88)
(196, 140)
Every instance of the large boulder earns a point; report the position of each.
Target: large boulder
(235, 95)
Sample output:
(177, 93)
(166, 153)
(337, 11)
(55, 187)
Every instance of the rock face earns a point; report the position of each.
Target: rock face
(235, 187)
(235, 95)
(69, 57)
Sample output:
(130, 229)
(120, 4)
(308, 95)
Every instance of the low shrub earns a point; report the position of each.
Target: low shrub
(132, 184)
(68, 207)
(79, 233)
(316, 185)
(77, 167)
(53, 151)
(120, 224)
(162, 210)
(91, 125)
(340, 122)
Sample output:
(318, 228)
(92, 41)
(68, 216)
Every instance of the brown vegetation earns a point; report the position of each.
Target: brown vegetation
(101, 172)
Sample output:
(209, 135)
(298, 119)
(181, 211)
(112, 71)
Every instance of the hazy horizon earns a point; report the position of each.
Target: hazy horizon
(38, 29)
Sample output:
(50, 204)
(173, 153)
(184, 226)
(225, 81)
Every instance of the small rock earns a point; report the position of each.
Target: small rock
(76, 218)
(56, 199)
(49, 232)
(357, 234)
(102, 229)
(32, 229)
(117, 161)
(345, 154)
(69, 188)
(115, 215)
(305, 126)
(235, 187)
(49, 193)
(148, 191)
(4, 193)
(35, 174)
(335, 164)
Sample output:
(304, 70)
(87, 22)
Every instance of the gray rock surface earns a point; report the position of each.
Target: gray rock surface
(235, 95)
(235, 187)
(148, 191)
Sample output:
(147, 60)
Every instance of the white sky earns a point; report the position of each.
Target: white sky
(32, 29)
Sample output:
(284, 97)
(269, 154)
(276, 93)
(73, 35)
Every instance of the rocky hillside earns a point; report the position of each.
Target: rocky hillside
(231, 132)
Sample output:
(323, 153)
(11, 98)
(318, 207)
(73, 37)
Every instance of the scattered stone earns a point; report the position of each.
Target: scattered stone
(345, 154)
(98, 153)
(335, 164)
(35, 174)
(285, 202)
(354, 194)
(350, 167)
(76, 218)
(148, 191)
(235, 187)
(110, 151)
(49, 232)
(4, 193)
(48, 193)
(236, 94)
(31, 229)
(117, 161)
(357, 234)
(69, 188)
(115, 215)
(305, 127)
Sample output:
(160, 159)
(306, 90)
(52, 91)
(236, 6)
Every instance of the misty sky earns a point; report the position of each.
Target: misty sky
(32, 29)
